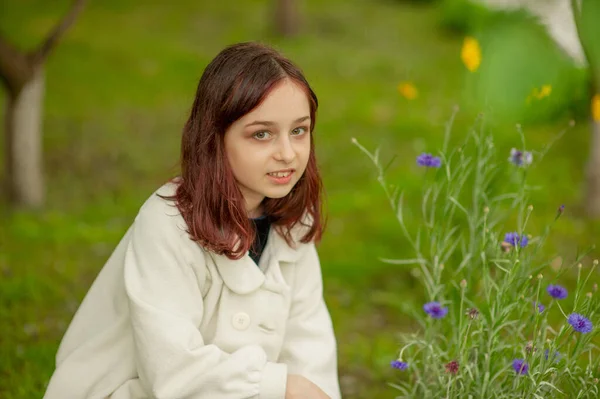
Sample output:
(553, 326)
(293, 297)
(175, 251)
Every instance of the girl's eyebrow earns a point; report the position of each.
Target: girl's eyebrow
(269, 123)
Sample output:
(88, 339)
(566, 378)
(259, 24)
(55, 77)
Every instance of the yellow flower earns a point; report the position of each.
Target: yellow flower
(596, 108)
(471, 53)
(545, 91)
(408, 90)
(539, 93)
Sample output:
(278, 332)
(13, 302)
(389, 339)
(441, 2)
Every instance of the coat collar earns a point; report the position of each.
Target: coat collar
(243, 276)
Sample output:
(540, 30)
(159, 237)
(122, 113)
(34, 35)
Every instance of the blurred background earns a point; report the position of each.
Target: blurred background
(114, 89)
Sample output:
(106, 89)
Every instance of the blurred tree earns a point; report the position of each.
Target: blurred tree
(287, 17)
(22, 74)
(587, 14)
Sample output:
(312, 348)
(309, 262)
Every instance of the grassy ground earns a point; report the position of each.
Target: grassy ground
(119, 89)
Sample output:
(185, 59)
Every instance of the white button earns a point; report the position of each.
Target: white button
(240, 321)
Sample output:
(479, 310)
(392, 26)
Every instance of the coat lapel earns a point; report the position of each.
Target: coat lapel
(243, 276)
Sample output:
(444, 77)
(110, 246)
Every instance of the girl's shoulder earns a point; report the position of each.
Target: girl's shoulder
(159, 213)
(160, 198)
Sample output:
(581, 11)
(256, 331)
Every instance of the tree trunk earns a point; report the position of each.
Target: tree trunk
(286, 17)
(23, 129)
(593, 173)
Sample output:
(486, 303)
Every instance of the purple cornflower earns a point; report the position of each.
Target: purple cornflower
(539, 306)
(514, 239)
(520, 366)
(556, 356)
(429, 161)
(557, 291)
(435, 310)
(580, 323)
(397, 364)
(520, 158)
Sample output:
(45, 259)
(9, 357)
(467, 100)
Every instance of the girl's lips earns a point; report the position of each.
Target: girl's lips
(283, 171)
(281, 180)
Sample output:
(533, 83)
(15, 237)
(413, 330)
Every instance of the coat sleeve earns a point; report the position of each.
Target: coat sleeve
(309, 347)
(166, 309)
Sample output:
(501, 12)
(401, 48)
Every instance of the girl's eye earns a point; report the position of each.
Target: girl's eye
(261, 135)
(299, 131)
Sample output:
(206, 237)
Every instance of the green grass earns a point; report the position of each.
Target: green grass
(118, 91)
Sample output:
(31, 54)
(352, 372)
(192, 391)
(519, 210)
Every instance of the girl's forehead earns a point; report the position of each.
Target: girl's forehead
(286, 101)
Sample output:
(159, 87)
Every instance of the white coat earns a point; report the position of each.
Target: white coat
(166, 318)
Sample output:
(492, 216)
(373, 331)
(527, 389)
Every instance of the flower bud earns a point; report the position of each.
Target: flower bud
(540, 276)
(486, 210)
(530, 208)
(589, 294)
(452, 367)
(579, 266)
(556, 263)
(506, 247)
(441, 266)
(473, 313)
(463, 283)
(529, 347)
(595, 262)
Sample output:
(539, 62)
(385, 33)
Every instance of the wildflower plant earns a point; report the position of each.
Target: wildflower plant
(487, 326)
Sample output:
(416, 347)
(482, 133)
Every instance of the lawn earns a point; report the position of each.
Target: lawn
(119, 88)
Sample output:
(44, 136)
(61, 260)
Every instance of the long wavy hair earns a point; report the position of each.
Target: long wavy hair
(235, 82)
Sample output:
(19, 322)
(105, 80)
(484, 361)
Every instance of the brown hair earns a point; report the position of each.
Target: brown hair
(236, 81)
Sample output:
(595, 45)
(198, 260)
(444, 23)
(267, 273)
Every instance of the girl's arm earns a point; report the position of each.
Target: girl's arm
(166, 308)
(309, 347)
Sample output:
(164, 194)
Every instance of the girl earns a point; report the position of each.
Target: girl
(215, 291)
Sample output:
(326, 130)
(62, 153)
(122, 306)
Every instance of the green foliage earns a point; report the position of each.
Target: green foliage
(463, 16)
(415, 2)
(519, 59)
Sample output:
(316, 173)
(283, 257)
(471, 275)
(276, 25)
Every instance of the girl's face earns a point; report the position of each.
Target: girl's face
(268, 148)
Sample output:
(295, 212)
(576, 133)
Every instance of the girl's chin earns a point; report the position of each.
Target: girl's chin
(278, 192)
